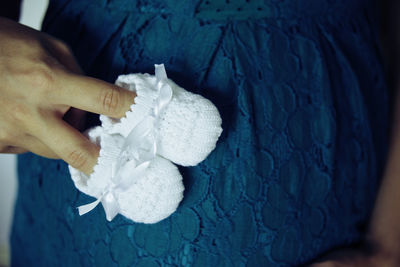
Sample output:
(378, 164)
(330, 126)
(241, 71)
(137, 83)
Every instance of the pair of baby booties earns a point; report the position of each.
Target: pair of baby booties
(135, 175)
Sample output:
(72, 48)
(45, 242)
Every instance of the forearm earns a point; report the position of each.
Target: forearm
(10, 9)
(384, 227)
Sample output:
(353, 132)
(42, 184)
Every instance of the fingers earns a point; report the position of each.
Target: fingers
(93, 95)
(17, 141)
(81, 92)
(68, 143)
(28, 143)
(34, 145)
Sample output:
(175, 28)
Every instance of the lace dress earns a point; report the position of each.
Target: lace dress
(301, 91)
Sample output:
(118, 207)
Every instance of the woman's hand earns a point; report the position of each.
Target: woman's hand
(39, 82)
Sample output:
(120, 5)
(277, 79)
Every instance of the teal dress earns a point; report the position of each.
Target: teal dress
(301, 91)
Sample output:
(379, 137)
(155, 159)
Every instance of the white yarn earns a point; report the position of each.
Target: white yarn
(190, 125)
(138, 205)
(188, 129)
(109, 151)
(151, 198)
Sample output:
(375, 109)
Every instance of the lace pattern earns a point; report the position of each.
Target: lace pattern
(303, 102)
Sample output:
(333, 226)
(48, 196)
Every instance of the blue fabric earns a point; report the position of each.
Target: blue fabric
(301, 91)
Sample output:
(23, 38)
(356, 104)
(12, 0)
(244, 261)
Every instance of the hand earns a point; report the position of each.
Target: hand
(357, 257)
(40, 82)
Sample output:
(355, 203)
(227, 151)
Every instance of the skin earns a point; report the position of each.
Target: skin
(381, 245)
(42, 89)
(44, 98)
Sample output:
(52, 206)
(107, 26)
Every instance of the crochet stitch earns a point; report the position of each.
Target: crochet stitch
(130, 177)
(149, 198)
(188, 128)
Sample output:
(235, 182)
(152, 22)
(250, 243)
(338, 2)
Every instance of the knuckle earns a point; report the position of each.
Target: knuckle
(20, 113)
(64, 47)
(78, 159)
(60, 44)
(110, 99)
(42, 77)
(37, 73)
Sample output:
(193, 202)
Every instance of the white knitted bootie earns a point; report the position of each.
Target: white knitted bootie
(143, 191)
(186, 125)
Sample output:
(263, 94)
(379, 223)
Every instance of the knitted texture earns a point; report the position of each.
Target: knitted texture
(95, 184)
(139, 205)
(189, 126)
(149, 198)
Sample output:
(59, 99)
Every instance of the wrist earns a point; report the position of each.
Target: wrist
(383, 249)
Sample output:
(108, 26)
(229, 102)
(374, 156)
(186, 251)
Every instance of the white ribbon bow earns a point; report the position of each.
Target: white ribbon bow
(124, 175)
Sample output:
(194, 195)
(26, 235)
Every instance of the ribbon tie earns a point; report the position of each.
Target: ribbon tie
(124, 175)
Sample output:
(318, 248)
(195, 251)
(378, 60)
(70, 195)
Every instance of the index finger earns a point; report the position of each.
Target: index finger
(94, 95)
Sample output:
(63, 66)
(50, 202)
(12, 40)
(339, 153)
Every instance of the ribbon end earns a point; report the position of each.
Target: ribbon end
(110, 206)
(110, 217)
(160, 72)
(88, 207)
(159, 66)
